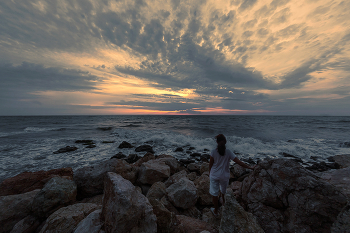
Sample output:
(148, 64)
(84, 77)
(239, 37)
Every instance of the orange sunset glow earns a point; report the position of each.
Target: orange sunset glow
(279, 57)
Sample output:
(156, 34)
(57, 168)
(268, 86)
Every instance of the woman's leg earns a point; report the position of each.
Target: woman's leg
(216, 205)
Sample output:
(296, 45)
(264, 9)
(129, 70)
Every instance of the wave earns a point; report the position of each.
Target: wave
(38, 129)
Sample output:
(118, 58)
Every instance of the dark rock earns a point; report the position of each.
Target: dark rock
(91, 146)
(179, 149)
(205, 156)
(191, 148)
(331, 159)
(323, 166)
(206, 149)
(120, 155)
(287, 155)
(105, 128)
(125, 144)
(147, 148)
(66, 149)
(188, 152)
(108, 141)
(314, 158)
(195, 154)
(186, 161)
(132, 158)
(344, 144)
(84, 141)
(342, 224)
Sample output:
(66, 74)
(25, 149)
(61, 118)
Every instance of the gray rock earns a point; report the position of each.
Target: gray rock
(157, 191)
(235, 219)
(153, 171)
(339, 178)
(194, 167)
(166, 220)
(56, 193)
(125, 209)
(27, 225)
(203, 184)
(342, 224)
(175, 178)
(342, 160)
(14, 208)
(90, 224)
(172, 163)
(204, 168)
(147, 148)
(188, 224)
(66, 219)
(183, 193)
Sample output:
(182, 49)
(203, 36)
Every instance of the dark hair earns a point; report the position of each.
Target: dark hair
(221, 141)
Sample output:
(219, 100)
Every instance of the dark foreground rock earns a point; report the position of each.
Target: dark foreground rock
(285, 197)
(339, 178)
(125, 209)
(342, 224)
(29, 181)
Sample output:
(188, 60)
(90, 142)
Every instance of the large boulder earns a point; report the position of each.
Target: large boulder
(27, 225)
(147, 157)
(339, 178)
(188, 224)
(66, 219)
(153, 171)
(171, 162)
(285, 197)
(204, 168)
(57, 192)
(175, 178)
(90, 179)
(146, 148)
(236, 219)
(183, 193)
(29, 181)
(157, 191)
(342, 160)
(125, 209)
(342, 224)
(14, 208)
(203, 184)
(194, 167)
(90, 224)
(166, 220)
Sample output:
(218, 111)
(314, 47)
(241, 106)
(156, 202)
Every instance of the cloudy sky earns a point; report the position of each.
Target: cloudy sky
(278, 57)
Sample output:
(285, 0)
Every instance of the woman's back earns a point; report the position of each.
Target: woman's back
(220, 169)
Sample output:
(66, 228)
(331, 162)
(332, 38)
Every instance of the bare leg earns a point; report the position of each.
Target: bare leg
(216, 206)
(223, 199)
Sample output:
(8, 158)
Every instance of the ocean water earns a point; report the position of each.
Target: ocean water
(27, 143)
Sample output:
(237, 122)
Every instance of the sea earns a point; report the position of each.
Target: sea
(28, 143)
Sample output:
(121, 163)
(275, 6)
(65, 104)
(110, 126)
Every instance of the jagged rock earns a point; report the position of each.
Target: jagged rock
(186, 161)
(171, 162)
(236, 219)
(175, 178)
(26, 225)
(85, 141)
(236, 185)
(147, 148)
(342, 160)
(132, 158)
(157, 191)
(66, 149)
(340, 179)
(179, 149)
(90, 179)
(192, 212)
(90, 224)
(66, 219)
(14, 208)
(203, 184)
(125, 144)
(342, 224)
(165, 201)
(284, 196)
(153, 171)
(208, 216)
(194, 167)
(29, 181)
(124, 208)
(166, 220)
(195, 154)
(239, 171)
(183, 193)
(120, 155)
(204, 168)
(192, 176)
(56, 193)
(188, 224)
(98, 199)
(148, 156)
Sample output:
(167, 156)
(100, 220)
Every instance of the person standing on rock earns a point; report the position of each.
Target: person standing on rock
(219, 172)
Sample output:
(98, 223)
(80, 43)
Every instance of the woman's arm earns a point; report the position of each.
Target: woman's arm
(211, 162)
(239, 162)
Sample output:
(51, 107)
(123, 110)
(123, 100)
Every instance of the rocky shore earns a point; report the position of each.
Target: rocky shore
(163, 194)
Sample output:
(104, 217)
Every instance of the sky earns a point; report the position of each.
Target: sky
(262, 57)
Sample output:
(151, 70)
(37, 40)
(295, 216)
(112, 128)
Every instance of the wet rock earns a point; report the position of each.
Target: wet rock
(285, 197)
(120, 155)
(125, 144)
(90, 179)
(132, 158)
(194, 167)
(29, 181)
(340, 179)
(56, 193)
(26, 225)
(157, 191)
(188, 224)
(179, 149)
(66, 149)
(183, 193)
(107, 128)
(124, 208)
(108, 142)
(85, 141)
(91, 224)
(202, 184)
(175, 178)
(147, 148)
(148, 156)
(344, 144)
(195, 154)
(153, 171)
(342, 224)
(67, 218)
(14, 208)
(322, 166)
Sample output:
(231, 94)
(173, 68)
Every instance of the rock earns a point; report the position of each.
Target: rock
(285, 197)
(90, 179)
(188, 224)
(28, 224)
(179, 149)
(205, 157)
(147, 157)
(195, 154)
(186, 161)
(239, 171)
(157, 191)
(236, 185)
(90, 224)
(344, 144)
(124, 208)
(120, 155)
(342, 160)
(339, 178)
(192, 176)
(183, 193)
(108, 141)
(66, 149)
(204, 168)
(165, 201)
(147, 148)
(87, 142)
(175, 178)
(145, 188)
(323, 166)
(172, 163)
(14, 208)
(192, 212)
(66, 219)
(56, 193)
(91, 146)
(98, 199)
(208, 217)
(125, 144)
(29, 181)
(203, 184)
(236, 219)
(342, 224)
(107, 128)
(194, 167)
(166, 220)
(132, 158)
(153, 171)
